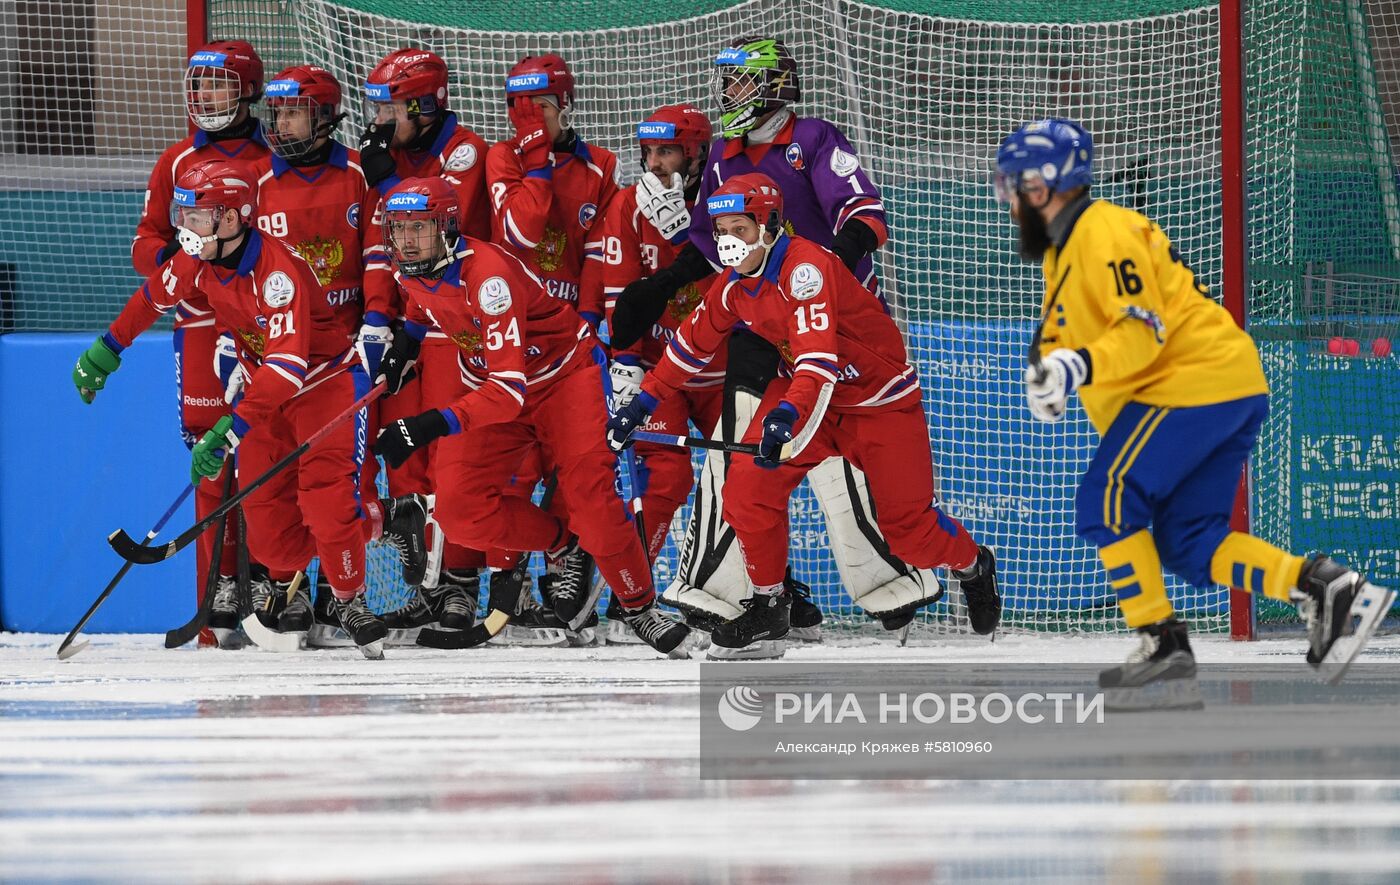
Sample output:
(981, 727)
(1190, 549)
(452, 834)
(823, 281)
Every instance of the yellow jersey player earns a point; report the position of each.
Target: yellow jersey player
(1177, 393)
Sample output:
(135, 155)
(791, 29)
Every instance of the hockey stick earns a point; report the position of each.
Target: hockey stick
(184, 633)
(790, 449)
(272, 640)
(1033, 356)
(64, 650)
(500, 605)
(140, 554)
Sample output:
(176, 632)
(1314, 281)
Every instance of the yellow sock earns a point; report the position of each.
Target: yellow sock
(1257, 566)
(1135, 574)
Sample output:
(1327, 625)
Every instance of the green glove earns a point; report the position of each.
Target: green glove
(90, 374)
(209, 453)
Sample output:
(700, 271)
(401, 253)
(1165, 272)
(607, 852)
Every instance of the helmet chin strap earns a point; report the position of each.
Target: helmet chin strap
(193, 244)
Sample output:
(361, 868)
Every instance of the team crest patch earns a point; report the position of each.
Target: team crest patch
(494, 296)
(278, 290)
(352, 215)
(254, 341)
(549, 251)
(844, 163)
(794, 156)
(805, 282)
(461, 159)
(1154, 322)
(469, 342)
(586, 213)
(325, 257)
(685, 301)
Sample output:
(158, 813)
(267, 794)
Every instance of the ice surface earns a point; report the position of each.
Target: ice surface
(133, 763)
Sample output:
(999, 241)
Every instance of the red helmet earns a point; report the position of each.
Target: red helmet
(420, 199)
(302, 86)
(753, 194)
(219, 76)
(541, 75)
(682, 124)
(203, 193)
(416, 76)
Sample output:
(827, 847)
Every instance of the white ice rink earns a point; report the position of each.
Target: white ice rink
(132, 763)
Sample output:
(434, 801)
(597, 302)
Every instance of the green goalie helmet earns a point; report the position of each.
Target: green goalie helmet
(753, 77)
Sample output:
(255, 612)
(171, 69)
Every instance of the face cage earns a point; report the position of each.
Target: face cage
(323, 120)
(212, 116)
(753, 83)
(446, 236)
(1008, 184)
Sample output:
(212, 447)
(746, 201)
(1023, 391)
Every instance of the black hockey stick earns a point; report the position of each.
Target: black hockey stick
(500, 605)
(696, 442)
(1033, 356)
(184, 633)
(140, 554)
(64, 650)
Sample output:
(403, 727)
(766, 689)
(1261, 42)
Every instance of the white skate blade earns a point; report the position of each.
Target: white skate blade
(530, 637)
(403, 637)
(327, 636)
(586, 637)
(763, 650)
(1163, 694)
(271, 640)
(805, 634)
(373, 651)
(902, 634)
(618, 633)
(699, 639)
(1368, 609)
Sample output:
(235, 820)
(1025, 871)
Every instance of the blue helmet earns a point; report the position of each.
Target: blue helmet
(1059, 152)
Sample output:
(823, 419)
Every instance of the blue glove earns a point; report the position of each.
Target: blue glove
(777, 432)
(373, 340)
(629, 419)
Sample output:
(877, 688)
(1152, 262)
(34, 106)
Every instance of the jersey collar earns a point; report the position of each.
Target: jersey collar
(339, 158)
(449, 128)
(250, 255)
(771, 271)
(735, 146)
(202, 139)
(1064, 223)
(453, 274)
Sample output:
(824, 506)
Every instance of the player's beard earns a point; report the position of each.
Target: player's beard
(1035, 239)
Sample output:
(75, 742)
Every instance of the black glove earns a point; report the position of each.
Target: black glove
(375, 159)
(396, 368)
(643, 301)
(405, 436)
(168, 250)
(854, 241)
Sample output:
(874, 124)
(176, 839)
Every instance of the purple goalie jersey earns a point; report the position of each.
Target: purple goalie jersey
(821, 178)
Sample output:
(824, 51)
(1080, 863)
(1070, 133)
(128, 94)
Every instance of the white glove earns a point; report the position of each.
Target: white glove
(374, 339)
(1063, 371)
(626, 381)
(228, 368)
(662, 205)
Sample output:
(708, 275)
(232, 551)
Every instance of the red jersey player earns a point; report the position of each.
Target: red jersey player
(301, 372)
(536, 373)
(547, 184)
(413, 134)
(630, 242)
(222, 81)
(849, 390)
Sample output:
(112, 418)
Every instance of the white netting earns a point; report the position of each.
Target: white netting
(925, 100)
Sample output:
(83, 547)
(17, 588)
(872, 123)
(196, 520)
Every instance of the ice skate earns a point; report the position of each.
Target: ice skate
(759, 633)
(657, 630)
(223, 615)
(363, 628)
(1342, 609)
(405, 524)
(1160, 674)
(529, 625)
(804, 618)
(617, 632)
(573, 593)
(979, 588)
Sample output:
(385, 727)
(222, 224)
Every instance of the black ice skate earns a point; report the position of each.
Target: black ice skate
(573, 594)
(455, 598)
(804, 619)
(1159, 675)
(405, 524)
(268, 600)
(617, 632)
(759, 632)
(530, 624)
(281, 596)
(363, 628)
(979, 589)
(296, 617)
(325, 629)
(1342, 609)
(223, 614)
(662, 633)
